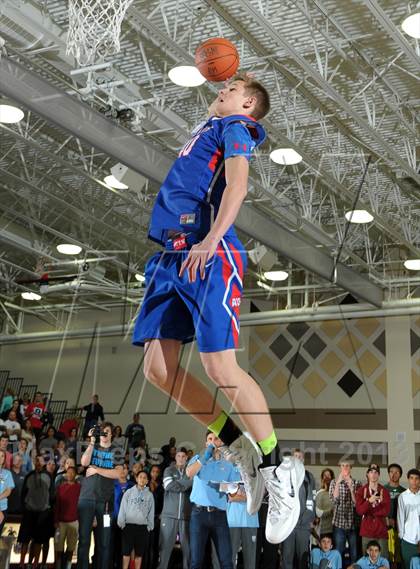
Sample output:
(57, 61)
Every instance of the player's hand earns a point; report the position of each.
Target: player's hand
(197, 259)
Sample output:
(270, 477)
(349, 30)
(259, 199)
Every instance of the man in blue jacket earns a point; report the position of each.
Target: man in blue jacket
(209, 504)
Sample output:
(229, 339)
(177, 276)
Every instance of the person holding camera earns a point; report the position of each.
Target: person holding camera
(373, 503)
(96, 495)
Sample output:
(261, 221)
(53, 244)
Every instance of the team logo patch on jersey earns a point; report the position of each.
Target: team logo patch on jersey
(179, 243)
(187, 218)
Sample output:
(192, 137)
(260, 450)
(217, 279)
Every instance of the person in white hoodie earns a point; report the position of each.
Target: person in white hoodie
(408, 518)
(136, 519)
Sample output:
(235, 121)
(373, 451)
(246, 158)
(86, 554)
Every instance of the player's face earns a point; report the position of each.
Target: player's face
(234, 100)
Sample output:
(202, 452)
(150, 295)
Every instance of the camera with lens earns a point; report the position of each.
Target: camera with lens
(98, 432)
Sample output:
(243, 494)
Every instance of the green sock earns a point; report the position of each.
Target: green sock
(224, 428)
(218, 424)
(268, 444)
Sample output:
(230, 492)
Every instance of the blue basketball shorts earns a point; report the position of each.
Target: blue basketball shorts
(206, 310)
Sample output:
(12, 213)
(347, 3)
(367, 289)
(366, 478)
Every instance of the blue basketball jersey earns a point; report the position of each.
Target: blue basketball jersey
(190, 196)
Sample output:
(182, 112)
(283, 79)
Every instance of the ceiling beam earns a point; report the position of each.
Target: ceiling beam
(36, 94)
(393, 31)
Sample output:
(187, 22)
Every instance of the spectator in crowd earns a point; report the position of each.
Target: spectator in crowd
(69, 462)
(23, 404)
(37, 498)
(156, 488)
(343, 494)
(47, 417)
(65, 519)
(68, 425)
(136, 467)
(373, 558)
(4, 443)
(408, 513)
(373, 503)
(60, 452)
(324, 506)
(96, 497)
(28, 434)
(208, 515)
(395, 489)
(18, 475)
(136, 519)
(135, 432)
(169, 458)
(94, 414)
(34, 412)
(176, 511)
(7, 401)
(22, 451)
(15, 408)
(71, 442)
(6, 486)
(243, 527)
(13, 427)
(164, 451)
(48, 441)
(325, 557)
(50, 465)
(118, 438)
(140, 453)
(296, 547)
(120, 487)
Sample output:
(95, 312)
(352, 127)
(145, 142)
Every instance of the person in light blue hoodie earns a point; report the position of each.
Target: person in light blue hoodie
(136, 519)
(325, 557)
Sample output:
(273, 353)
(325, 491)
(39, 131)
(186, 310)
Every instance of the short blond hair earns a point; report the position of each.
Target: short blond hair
(257, 90)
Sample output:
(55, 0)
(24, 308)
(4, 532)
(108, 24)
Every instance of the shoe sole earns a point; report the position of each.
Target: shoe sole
(297, 479)
(253, 505)
(254, 500)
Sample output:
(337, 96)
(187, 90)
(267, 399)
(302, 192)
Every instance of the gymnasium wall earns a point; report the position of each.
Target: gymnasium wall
(336, 388)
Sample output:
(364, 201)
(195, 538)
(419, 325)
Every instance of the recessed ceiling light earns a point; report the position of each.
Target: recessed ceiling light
(358, 216)
(30, 295)
(412, 264)
(68, 249)
(114, 183)
(139, 277)
(186, 76)
(10, 114)
(285, 156)
(276, 275)
(411, 25)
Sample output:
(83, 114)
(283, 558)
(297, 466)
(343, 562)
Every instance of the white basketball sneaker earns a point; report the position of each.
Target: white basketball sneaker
(245, 453)
(283, 484)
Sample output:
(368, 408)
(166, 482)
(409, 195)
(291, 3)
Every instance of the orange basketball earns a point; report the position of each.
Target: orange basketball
(217, 59)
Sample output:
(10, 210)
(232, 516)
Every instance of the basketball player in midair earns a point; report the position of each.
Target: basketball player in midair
(193, 292)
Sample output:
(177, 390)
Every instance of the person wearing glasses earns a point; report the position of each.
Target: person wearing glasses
(104, 466)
